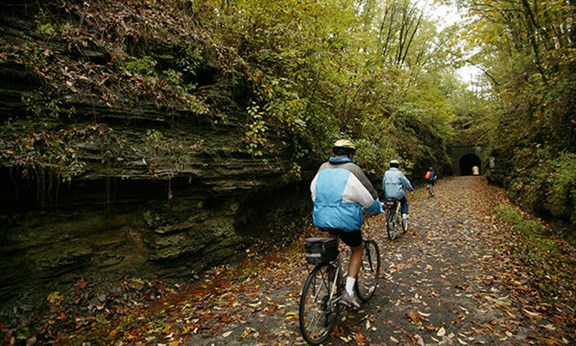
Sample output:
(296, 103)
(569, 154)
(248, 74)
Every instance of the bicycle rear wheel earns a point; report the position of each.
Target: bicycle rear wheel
(404, 225)
(369, 271)
(398, 222)
(391, 223)
(319, 308)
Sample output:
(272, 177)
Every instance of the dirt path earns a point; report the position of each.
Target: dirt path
(450, 280)
(445, 282)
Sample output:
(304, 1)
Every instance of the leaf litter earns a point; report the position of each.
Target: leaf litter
(452, 279)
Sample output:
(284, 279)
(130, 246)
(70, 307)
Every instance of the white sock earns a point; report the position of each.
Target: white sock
(350, 281)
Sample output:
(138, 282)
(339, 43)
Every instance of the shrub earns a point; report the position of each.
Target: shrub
(562, 193)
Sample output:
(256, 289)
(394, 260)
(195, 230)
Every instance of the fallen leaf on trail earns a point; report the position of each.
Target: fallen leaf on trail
(338, 331)
(462, 287)
(534, 315)
(414, 317)
(360, 338)
(441, 331)
(418, 340)
(227, 334)
(247, 332)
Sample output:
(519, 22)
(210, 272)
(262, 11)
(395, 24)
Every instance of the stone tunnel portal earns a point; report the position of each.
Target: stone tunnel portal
(467, 162)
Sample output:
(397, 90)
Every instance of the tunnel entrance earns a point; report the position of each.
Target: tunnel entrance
(467, 162)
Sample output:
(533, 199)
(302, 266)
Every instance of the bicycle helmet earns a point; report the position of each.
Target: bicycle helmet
(344, 143)
(343, 147)
(394, 163)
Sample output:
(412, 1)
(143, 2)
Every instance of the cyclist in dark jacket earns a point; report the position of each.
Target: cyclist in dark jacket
(430, 176)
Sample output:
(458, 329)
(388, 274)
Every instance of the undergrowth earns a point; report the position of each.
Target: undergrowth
(541, 250)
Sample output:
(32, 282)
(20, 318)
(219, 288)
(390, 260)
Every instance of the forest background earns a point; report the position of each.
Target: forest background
(382, 73)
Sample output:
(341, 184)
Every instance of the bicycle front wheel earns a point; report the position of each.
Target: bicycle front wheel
(367, 280)
(319, 308)
(391, 223)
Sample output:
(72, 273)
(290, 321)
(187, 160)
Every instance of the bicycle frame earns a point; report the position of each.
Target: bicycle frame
(335, 281)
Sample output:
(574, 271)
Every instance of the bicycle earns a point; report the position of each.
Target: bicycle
(319, 303)
(430, 189)
(394, 219)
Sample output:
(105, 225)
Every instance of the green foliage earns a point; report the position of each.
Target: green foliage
(176, 86)
(256, 132)
(46, 29)
(514, 216)
(191, 59)
(144, 65)
(316, 82)
(562, 192)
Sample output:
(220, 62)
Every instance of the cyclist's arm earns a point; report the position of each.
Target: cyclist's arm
(406, 183)
(355, 191)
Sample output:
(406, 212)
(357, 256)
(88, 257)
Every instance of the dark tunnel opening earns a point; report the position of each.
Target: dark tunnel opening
(467, 162)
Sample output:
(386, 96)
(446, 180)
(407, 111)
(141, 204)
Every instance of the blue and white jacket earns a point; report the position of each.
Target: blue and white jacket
(340, 192)
(394, 183)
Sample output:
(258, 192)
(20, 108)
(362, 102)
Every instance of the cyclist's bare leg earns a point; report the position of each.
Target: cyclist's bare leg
(355, 260)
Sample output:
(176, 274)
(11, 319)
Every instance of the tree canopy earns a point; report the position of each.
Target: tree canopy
(377, 72)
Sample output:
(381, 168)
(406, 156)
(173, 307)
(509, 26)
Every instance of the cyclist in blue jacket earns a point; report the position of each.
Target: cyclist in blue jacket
(394, 183)
(341, 192)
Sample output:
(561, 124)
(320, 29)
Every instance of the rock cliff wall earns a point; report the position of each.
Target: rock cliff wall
(118, 180)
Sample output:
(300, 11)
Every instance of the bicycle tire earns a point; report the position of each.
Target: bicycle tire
(399, 219)
(319, 310)
(398, 222)
(391, 224)
(369, 274)
(404, 226)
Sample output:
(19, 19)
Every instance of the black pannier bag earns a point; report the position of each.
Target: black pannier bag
(320, 250)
